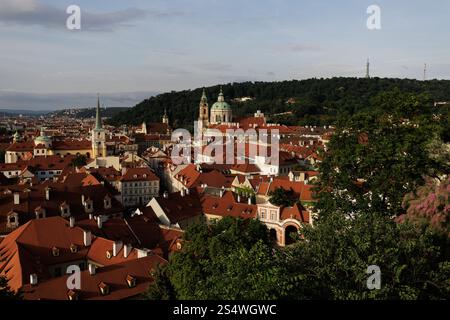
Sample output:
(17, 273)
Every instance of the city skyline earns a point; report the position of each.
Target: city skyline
(130, 51)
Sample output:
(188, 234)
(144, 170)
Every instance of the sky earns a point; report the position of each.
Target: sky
(130, 50)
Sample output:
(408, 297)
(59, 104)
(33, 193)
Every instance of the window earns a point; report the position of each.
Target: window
(55, 252)
(263, 213)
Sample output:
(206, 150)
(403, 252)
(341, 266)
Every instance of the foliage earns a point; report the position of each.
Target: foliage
(231, 259)
(332, 263)
(5, 291)
(281, 197)
(161, 288)
(431, 203)
(79, 161)
(317, 101)
(376, 157)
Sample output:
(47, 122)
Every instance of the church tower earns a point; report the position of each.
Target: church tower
(203, 113)
(98, 135)
(165, 118)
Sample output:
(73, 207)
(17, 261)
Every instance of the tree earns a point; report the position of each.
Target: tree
(376, 157)
(332, 263)
(281, 197)
(79, 161)
(161, 288)
(430, 204)
(5, 291)
(230, 259)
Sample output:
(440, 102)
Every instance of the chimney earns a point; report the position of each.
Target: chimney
(127, 250)
(87, 238)
(99, 222)
(72, 222)
(16, 198)
(92, 269)
(182, 192)
(47, 194)
(117, 245)
(33, 279)
(143, 253)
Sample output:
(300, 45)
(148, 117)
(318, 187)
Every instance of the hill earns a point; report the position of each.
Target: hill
(84, 113)
(304, 102)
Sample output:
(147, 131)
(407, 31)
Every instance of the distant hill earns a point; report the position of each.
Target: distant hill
(312, 101)
(14, 112)
(85, 113)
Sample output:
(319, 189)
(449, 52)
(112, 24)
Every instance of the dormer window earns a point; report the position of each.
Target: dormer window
(144, 175)
(135, 176)
(65, 210)
(107, 202)
(55, 252)
(73, 248)
(88, 206)
(104, 288)
(131, 281)
(72, 295)
(109, 254)
(40, 213)
(12, 220)
(179, 246)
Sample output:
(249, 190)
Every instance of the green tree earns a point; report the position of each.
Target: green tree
(332, 263)
(281, 197)
(376, 157)
(5, 291)
(230, 259)
(79, 161)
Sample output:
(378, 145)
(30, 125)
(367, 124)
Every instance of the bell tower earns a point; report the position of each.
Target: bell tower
(203, 113)
(98, 137)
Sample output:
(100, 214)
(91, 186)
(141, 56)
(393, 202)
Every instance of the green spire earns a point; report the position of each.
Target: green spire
(221, 98)
(204, 98)
(98, 120)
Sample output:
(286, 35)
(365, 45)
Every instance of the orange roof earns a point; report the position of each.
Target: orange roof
(139, 174)
(115, 277)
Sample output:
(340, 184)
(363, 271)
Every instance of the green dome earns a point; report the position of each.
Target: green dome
(221, 104)
(42, 139)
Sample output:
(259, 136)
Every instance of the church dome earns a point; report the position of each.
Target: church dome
(43, 139)
(221, 104)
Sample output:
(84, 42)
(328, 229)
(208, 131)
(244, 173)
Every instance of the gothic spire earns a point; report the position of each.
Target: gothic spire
(98, 120)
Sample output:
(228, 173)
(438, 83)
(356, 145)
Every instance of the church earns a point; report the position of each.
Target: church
(44, 145)
(221, 112)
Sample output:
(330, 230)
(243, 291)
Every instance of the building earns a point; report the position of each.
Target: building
(98, 136)
(37, 262)
(138, 186)
(221, 111)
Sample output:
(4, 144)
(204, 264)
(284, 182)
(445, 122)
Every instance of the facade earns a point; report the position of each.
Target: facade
(221, 111)
(98, 136)
(138, 186)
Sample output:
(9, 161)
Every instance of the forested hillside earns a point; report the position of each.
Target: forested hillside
(312, 101)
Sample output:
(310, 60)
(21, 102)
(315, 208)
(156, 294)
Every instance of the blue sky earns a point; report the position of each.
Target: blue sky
(131, 49)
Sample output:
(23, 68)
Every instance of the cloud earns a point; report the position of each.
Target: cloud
(10, 99)
(298, 47)
(34, 13)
